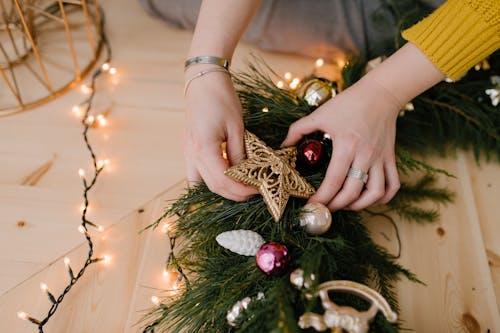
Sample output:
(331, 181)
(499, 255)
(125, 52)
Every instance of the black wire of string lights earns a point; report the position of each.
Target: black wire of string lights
(170, 263)
(88, 121)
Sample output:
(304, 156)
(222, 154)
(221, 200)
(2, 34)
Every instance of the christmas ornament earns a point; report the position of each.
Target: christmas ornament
(315, 218)
(244, 242)
(316, 91)
(344, 317)
(310, 153)
(298, 280)
(272, 258)
(272, 173)
(408, 107)
(494, 95)
(235, 312)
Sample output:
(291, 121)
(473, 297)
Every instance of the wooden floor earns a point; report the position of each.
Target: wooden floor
(458, 258)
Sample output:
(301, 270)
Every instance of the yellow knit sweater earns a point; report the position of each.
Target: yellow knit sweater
(458, 35)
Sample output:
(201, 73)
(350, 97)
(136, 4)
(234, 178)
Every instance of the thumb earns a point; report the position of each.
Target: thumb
(235, 147)
(297, 130)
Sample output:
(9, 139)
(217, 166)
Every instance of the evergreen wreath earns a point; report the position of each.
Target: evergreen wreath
(450, 116)
(446, 117)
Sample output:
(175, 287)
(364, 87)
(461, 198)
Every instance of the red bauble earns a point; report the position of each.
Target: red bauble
(272, 258)
(310, 153)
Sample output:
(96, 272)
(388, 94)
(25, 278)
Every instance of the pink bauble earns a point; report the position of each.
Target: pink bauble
(272, 258)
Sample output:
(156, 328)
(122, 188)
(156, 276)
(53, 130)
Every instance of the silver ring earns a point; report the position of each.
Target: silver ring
(358, 174)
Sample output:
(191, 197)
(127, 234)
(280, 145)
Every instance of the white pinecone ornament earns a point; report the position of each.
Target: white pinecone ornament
(244, 242)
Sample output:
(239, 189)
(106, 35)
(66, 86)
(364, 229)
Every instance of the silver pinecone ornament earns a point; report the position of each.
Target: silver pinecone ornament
(244, 242)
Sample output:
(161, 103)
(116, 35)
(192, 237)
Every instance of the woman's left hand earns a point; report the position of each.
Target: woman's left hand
(362, 124)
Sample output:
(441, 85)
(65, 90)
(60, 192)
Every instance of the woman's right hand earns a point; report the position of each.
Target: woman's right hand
(214, 117)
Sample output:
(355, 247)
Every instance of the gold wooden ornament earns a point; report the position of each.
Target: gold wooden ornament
(273, 173)
(344, 317)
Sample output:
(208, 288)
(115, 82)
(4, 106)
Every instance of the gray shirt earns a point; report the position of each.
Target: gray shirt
(314, 28)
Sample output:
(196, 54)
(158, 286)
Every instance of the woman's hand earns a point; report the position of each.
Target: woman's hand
(214, 117)
(362, 124)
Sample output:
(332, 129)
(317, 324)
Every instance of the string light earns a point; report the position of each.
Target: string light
(82, 229)
(101, 120)
(320, 62)
(22, 315)
(102, 163)
(288, 76)
(106, 259)
(155, 300)
(164, 228)
(77, 110)
(86, 90)
(45, 289)
(90, 120)
(280, 84)
(83, 111)
(81, 173)
(295, 83)
(265, 109)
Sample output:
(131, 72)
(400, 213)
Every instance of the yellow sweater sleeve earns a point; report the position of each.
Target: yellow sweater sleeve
(458, 35)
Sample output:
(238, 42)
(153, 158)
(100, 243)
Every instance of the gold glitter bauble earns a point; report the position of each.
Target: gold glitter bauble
(316, 91)
(273, 173)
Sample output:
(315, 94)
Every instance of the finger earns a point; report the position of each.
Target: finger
(298, 129)
(192, 174)
(211, 166)
(392, 183)
(342, 157)
(375, 188)
(351, 188)
(235, 146)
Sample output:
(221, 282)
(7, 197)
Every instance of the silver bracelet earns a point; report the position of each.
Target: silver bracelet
(207, 60)
(200, 74)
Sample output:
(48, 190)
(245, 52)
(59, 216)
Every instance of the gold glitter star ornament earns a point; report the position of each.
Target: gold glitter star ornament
(272, 172)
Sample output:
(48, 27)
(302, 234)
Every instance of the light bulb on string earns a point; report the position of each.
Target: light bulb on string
(155, 300)
(265, 109)
(106, 259)
(86, 89)
(68, 268)
(77, 110)
(113, 71)
(165, 227)
(320, 62)
(295, 83)
(287, 76)
(101, 120)
(90, 120)
(81, 173)
(45, 289)
(280, 84)
(22, 315)
(102, 163)
(82, 230)
(105, 67)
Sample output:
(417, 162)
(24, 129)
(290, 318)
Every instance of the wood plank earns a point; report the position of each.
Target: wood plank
(450, 259)
(100, 301)
(485, 182)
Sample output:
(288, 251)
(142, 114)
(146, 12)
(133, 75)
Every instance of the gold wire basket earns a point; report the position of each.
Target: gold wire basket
(46, 48)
